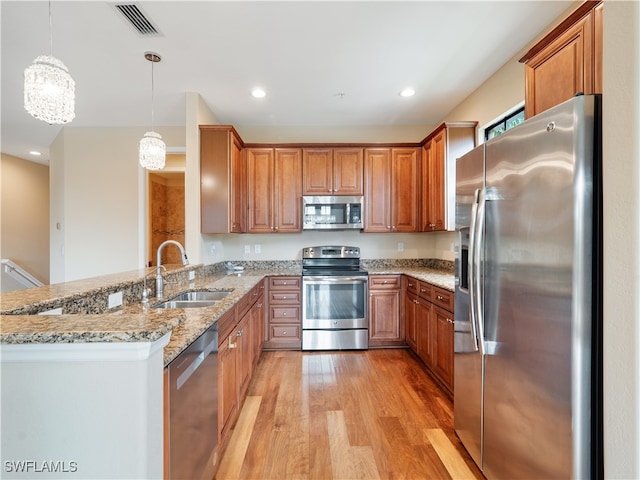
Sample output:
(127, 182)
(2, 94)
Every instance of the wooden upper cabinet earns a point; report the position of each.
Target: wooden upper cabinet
(437, 171)
(567, 61)
(433, 182)
(274, 186)
(287, 180)
(222, 180)
(332, 171)
(391, 189)
(377, 194)
(404, 189)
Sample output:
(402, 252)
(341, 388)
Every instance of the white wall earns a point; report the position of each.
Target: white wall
(96, 201)
(289, 246)
(24, 232)
(621, 164)
(197, 113)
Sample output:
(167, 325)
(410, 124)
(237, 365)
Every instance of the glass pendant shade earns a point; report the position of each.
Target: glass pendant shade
(152, 151)
(49, 91)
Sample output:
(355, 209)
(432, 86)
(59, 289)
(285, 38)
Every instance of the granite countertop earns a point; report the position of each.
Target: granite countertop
(137, 322)
(440, 278)
(131, 323)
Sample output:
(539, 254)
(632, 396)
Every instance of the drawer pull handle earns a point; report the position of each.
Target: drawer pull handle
(440, 297)
(231, 345)
(422, 290)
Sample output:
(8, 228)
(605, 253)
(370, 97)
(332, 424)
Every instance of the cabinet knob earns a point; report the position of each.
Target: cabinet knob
(284, 314)
(284, 332)
(388, 227)
(411, 284)
(284, 297)
(284, 283)
(385, 281)
(259, 305)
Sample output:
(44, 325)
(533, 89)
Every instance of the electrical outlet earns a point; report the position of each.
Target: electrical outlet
(115, 299)
(212, 248)
(192, 275)
(400, 247)
(247, 249)
(257, 248)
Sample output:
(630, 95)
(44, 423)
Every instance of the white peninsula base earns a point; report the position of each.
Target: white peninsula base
(82, 410)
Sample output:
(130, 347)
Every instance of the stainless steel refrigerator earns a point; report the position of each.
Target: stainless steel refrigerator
(527, 361)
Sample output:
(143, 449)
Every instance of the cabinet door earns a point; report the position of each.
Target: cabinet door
(245, 354)
(377, 170)
(410, 326)
(257, 328)
(260, 189)
(443, 346)
(288, 190)
(433, 183)
(317, 171)
(404, 189)
(384, 318)
(424, 331)
(348, 166)
(238, 195)
(561, 69)
(228, 384)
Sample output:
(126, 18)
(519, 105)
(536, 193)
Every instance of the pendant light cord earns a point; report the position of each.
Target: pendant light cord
(50, 31)
(152, 62)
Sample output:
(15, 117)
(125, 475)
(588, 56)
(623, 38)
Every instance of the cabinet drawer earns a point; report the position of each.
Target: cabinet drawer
(384, 282)
(226, 323)
(284, 283)
(412, 285)
(285, 314)
(285, 331)
(443, 298)
(425, 291)
(284, 298)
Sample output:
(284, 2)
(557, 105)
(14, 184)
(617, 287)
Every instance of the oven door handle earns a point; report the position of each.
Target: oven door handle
(324, 280)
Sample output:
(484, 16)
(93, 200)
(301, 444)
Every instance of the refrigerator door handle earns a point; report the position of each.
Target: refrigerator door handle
(474, 279)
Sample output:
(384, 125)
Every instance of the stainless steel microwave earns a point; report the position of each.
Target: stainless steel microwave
(331, 212)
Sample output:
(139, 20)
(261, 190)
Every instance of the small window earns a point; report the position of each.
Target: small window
(504, 124)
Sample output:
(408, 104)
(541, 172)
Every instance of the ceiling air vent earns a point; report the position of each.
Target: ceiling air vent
(134, 15)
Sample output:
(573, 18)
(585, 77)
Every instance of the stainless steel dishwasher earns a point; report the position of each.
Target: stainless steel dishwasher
(193, 409)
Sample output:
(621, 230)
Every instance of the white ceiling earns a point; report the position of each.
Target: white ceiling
(304, 53)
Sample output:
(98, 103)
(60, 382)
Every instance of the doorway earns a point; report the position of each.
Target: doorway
(166, 210)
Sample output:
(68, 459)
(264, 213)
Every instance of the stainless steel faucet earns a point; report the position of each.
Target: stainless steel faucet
(159, 281)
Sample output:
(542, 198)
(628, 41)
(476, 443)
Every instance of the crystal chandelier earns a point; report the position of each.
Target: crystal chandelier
(152, 148)
(49, 90)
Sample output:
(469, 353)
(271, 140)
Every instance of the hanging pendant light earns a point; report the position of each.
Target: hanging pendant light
(152, 148)
(49, 90)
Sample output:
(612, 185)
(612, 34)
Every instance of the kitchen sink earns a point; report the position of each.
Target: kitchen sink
(194, 299)
(193, 296)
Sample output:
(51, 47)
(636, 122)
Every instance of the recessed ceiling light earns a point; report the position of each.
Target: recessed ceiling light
(258, 93)
(407, 92)
(33, 152)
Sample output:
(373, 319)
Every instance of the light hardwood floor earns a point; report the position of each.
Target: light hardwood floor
(372, 414)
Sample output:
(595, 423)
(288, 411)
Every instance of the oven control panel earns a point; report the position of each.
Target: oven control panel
(331, 252)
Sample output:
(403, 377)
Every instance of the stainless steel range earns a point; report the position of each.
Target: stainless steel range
(334, 299)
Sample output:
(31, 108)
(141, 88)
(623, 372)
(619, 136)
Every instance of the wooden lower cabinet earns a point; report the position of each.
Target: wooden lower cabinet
(239, 346)
(227, 379)
(386, 328)
(442, 358)
(428, 312)
(284, 315)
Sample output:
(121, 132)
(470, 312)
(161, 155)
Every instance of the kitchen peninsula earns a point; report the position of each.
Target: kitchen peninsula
(83, 385)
